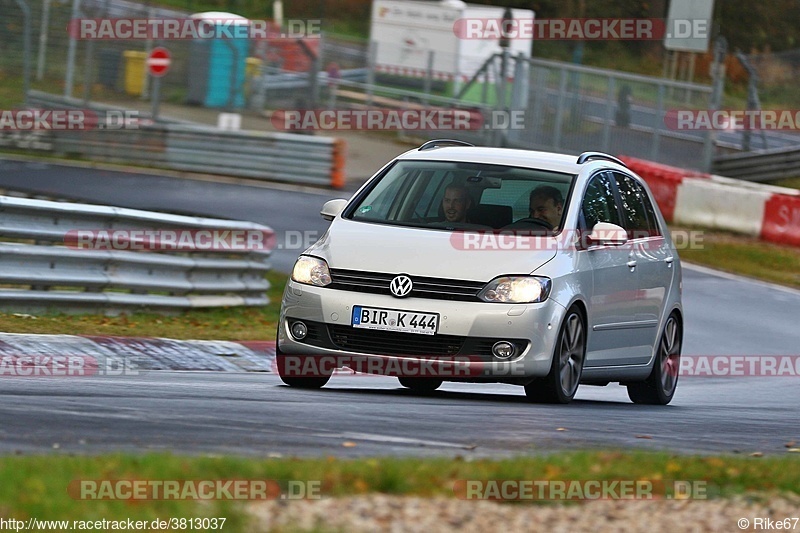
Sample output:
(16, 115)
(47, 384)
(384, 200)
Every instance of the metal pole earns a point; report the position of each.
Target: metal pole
(718, 75)
(155, 98)
(148, 47)
(692, 62)
(76, 6)
(609, 114)
(43, 39)
(659, 122)
(372, 54)
(501, 84)
(562, 90)
(26, 50)
(428, 78)
(87, 72)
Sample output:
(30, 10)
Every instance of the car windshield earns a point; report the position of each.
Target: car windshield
(445, 195)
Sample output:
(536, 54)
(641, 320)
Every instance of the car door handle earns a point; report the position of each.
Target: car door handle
(632, 264)
(669, 260)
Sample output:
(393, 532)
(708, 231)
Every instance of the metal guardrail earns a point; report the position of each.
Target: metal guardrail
(761, 166)
(38, 271)
(198, 148)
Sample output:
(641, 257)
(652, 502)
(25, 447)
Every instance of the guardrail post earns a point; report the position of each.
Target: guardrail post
(337, 163)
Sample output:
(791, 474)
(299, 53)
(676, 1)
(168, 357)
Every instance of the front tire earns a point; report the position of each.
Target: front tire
(659, 387)
(561, 384)
(298, 382)
(421, 384)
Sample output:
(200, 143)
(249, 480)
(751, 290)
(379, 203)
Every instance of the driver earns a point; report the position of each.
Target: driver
(546, 203)
(456, 203)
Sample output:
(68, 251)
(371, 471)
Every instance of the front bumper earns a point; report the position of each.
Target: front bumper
(331, 309)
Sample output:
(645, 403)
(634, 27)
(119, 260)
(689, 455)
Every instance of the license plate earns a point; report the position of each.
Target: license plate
(395, 320)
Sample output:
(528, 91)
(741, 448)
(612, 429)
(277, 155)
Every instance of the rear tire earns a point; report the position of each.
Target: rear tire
(298, 382)
(421, 384)
(659, 387)
(569, 354)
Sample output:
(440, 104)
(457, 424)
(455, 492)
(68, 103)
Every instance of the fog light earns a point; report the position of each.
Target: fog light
(503, 350)
(299, 331)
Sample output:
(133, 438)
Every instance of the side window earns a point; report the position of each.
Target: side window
(634, 203)
(599, 204)
(652, 219)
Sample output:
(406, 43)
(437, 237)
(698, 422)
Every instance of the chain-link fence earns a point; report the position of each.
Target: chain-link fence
(565, 107)
(574, 108)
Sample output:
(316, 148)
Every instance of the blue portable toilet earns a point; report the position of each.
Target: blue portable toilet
(217, 65)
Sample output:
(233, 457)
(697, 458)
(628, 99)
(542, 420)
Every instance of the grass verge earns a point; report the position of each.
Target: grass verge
(37, 486)
(743, 255)
(792, 183)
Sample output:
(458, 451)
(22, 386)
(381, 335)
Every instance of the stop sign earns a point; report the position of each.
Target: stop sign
(158, 62)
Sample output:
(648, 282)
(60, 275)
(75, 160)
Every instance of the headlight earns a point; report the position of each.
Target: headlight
(516, 290)
(311, 271)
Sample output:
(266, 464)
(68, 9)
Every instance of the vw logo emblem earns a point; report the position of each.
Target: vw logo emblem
(401, 286)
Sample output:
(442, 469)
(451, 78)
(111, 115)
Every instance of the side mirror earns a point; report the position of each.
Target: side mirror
(332, 208)
(605, 233)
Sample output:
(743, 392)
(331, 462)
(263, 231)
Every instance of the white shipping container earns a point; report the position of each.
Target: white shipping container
(404, 31)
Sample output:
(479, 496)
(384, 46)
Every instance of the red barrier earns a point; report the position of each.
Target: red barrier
(782, 219)
(663, 181)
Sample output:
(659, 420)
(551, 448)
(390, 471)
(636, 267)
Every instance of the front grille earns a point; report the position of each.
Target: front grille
(378, 283)
(379, 342)
(392, 342)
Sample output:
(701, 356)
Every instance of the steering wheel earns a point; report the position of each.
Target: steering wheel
(538, 221)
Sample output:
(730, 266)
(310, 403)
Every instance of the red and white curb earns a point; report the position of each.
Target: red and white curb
(686, 197)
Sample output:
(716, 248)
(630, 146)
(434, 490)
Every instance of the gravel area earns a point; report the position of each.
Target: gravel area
(379, 512)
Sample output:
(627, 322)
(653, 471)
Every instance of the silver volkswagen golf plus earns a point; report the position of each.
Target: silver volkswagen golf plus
(537, 269)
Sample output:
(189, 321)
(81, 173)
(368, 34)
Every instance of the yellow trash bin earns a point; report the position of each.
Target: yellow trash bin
(134, 71)
(252, 68)
(252, 64)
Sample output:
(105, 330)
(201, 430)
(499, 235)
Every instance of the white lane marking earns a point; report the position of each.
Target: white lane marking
(372, 437)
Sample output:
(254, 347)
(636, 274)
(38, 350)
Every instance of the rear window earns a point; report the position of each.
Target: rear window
(445, 195)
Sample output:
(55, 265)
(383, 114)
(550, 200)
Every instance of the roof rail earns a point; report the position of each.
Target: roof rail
(586, 156)
(436, 143)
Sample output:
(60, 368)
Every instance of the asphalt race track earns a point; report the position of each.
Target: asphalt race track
(221, 412)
